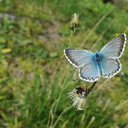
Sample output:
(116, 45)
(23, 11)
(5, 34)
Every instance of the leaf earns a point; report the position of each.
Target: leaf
(6, 50)
(53, 54)
(2, 40)
(25, 42)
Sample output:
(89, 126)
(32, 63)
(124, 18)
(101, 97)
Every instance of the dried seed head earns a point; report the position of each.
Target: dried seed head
(78, 97)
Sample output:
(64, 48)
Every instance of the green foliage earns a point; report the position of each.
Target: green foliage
(35, 76)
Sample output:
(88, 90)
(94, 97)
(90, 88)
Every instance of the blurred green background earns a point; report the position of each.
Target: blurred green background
(35, 76)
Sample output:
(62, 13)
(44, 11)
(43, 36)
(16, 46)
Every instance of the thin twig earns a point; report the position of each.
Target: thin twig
(90, 89)
(122, 74)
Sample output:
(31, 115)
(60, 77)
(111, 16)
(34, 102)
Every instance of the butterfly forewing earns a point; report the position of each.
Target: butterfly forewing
(78, 57)
(115, 47)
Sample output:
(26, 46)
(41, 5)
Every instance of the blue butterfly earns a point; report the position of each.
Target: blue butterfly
(105, 63)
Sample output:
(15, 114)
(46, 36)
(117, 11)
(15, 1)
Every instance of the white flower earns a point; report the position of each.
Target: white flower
(78, 96)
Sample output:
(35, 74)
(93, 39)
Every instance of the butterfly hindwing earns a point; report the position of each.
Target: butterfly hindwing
(90, 72)
(115, 47)
(110, 67)
(78, 57)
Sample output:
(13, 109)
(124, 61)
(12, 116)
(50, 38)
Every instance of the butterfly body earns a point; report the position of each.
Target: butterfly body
(98, 57)
(105, 63)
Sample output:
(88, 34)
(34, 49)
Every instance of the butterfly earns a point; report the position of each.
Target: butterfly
(105, 63)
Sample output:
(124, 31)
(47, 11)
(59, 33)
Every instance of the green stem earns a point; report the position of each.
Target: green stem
(71, 35)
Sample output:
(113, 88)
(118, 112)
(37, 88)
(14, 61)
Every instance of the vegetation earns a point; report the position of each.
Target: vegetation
(35, 77)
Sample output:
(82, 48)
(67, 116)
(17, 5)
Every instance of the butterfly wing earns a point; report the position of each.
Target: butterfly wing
(115, 47)
(78, 57)
(83, 59)
(90, 72)
(110, 67)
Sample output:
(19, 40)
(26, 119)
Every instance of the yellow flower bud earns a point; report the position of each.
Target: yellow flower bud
(74, 23)
(75, 19)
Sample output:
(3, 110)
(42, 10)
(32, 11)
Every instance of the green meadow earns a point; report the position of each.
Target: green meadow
(35, 76)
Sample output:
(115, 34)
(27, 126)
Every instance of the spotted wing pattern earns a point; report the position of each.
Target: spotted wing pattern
(110, 67)
(90, 72)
